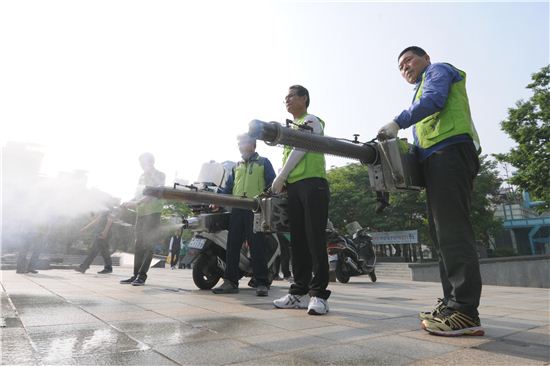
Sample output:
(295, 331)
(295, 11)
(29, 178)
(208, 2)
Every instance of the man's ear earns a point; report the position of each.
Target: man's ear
(427, 58)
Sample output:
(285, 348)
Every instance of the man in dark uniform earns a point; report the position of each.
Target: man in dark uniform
(101, 223)
(248, 178)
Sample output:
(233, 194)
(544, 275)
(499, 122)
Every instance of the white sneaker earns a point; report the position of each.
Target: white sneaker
(291, 302)
(317, 306)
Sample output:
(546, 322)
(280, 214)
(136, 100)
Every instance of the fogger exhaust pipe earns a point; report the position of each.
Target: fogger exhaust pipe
(274, 133)
(189, 196)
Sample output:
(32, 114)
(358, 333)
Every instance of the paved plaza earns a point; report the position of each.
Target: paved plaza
(61, 317)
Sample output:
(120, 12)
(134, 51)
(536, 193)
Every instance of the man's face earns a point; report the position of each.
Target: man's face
(146, 164)
(294, 102)
(246, 148)
(411, 65)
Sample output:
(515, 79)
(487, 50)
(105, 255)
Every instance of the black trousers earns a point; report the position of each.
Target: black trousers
(308, 214)
(174, 257)
(449, 175)
(241, 223)
(22, 265)
(99, 246)
(147, 227)
(285, 256)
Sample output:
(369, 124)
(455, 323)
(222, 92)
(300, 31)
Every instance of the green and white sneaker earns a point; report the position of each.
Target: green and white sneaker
(423, 315)
(452, 323)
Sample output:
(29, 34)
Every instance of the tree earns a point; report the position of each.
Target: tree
(351, 200)
(174, 209)
(529, 125)
(484, 198)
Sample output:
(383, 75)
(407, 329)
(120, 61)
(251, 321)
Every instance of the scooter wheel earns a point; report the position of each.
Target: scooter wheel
(341, 272)
(206, 273)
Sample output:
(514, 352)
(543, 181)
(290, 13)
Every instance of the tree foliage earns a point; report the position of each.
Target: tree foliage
(484, 198)
(528, 124)
(351, 200)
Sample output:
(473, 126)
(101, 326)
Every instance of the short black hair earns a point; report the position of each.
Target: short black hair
(414, 49)
(301, 91)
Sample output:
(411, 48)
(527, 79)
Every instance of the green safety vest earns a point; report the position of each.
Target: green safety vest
(249, 177)
(312, 164)
(153, 205)
(454, 119)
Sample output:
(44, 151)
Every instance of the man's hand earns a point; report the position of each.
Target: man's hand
(388, 131)
(278, 184)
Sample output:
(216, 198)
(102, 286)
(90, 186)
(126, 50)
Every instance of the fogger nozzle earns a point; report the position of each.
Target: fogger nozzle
(274, 133)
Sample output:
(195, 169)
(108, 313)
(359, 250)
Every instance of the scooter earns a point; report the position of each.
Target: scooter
(207, 249)
(350, 256)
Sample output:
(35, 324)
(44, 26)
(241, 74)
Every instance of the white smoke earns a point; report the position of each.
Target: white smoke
(31, 200)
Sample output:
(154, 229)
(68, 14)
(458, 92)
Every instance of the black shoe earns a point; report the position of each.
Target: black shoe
(105, 271)
(33, 271)
(138, 282)
(128, 281)
(261, 290)
(252, 283)
(227, 287)
(79, 269)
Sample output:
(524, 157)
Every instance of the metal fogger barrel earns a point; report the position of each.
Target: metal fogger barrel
(192, 196)
(392, 165)
(269, 211)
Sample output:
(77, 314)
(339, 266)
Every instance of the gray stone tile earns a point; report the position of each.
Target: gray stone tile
(502, 326)
(341, 333)
(538, 315)
(16, 348)
(236, 327)
(515, 348)
(216, 352)
(62, 341)
(287, 341)
(57, 316)
(111, 316)
(475, 357)
(280, 360)
(531, 337)
(544, 329)
(353, 355)
(366, 320)
(405, 346)
(297, 323)
(131, 358)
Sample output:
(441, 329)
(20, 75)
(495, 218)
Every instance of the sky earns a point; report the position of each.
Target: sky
(96, 83)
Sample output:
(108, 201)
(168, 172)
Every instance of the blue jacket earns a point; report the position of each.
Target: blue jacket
(439, 77)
